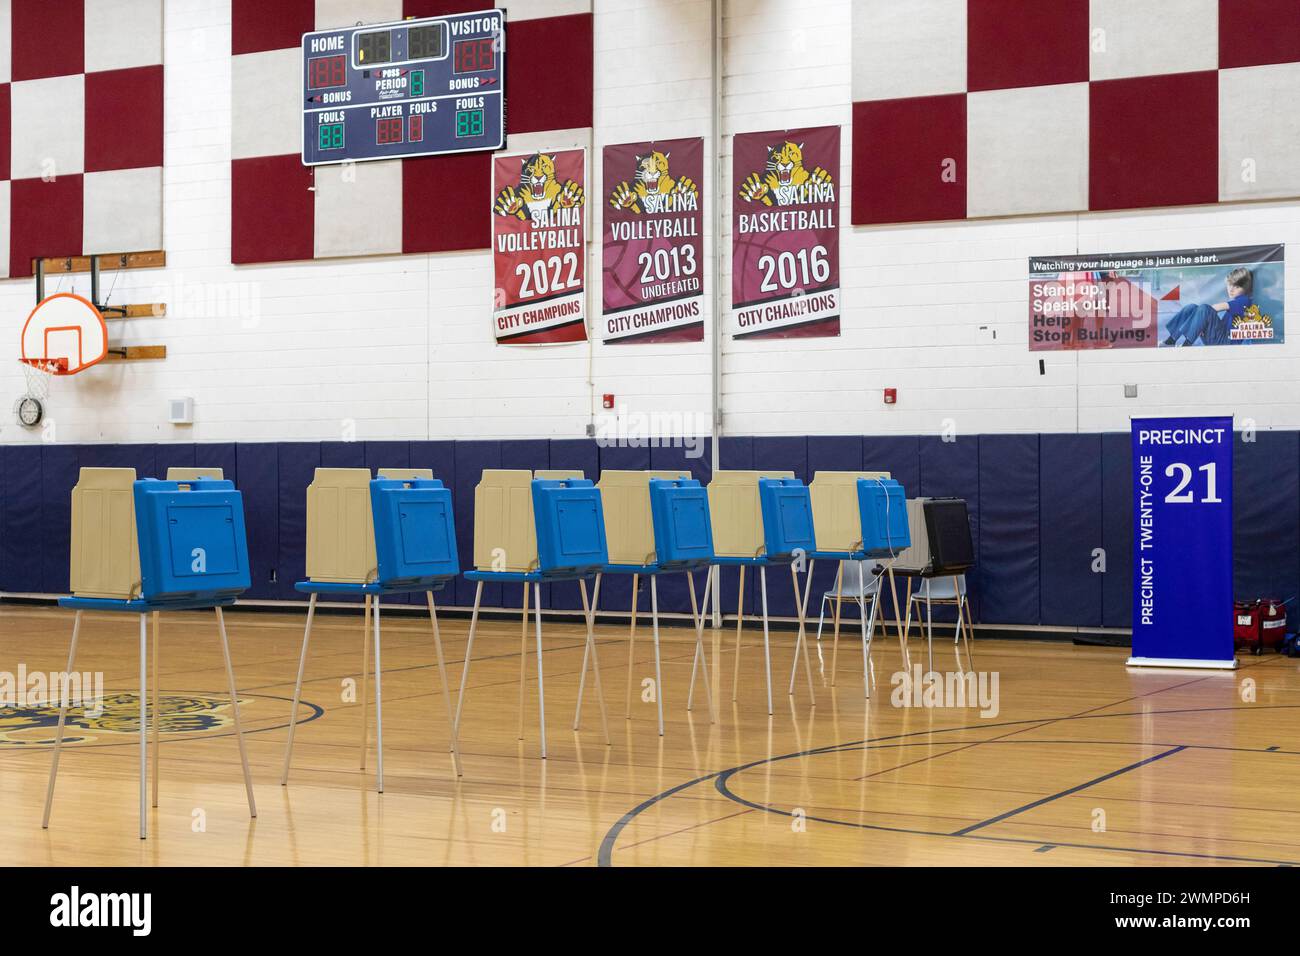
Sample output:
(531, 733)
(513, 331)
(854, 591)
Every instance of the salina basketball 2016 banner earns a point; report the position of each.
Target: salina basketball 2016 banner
(785, 240)
(539, 241)
(653, 247)
(1227, 296)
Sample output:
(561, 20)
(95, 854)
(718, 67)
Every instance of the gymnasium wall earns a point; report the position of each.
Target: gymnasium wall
(348, 354)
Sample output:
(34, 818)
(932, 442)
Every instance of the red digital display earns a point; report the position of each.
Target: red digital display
(474, 56)
(417, 128)
(325, 72)
(388, 130)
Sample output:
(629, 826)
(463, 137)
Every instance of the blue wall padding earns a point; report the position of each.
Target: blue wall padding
(698, 460)
(297, 464)
(219, 455)
(388, 454)
(23, 537)
(180, 455)
(258, 466)
(1008, 555)
(950, 469)
(528, 453)
(59, 468)
(782, 454)
(1069, 477)
(736, 453)
(1266, 518)
(1051, 508)
(1117, 529)
(900, 455)
(471, 458)
(342, 454)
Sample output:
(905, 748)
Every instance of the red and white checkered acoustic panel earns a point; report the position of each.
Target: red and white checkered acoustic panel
(428, 204)
(81, 116)
(972, 108)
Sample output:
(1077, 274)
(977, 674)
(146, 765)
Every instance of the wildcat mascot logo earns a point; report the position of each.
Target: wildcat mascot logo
(1251, 324)
(653, 190)
(539, 193)
(786, 182)
(121, 715)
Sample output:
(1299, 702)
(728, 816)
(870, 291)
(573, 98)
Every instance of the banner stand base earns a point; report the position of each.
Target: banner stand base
(1180, 662)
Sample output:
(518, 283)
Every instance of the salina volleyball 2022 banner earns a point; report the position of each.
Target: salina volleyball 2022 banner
(1132, 300)
(539, 239)
(653, 245)
(785, 240)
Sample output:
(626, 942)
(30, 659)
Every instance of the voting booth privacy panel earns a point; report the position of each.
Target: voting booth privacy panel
(1078, 485)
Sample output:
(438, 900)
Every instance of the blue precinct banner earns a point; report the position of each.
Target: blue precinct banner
(1182, 542)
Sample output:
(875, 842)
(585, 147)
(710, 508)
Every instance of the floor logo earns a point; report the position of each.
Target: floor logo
(117, 714)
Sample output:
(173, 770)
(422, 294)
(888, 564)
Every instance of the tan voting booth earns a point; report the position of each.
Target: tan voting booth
(629, 526)
(505, 534)
(837, 521)
(105, 554)
(736, 513)
(340, 527)
(194, 474)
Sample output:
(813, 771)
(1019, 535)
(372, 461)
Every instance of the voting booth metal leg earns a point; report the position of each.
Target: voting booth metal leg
(144, 719)
(929, 626)
(970, 630)
(589, 651)
(156, 721)
(365, 682)
(541, 683)
(234, 711)
(63, 716)
(379, 706)
(866, 635)
(907, 624)
(464, 671)
(898, 619)
(654, 627)
(839, 602)
(801, 641)
(631, 643)
(523, 657)
(740, 623)
(297, 690)
(701, 657)
(446, 684)
(767, 645)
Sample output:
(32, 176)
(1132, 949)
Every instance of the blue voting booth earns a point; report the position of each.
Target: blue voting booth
(877, 528)
(192, 551)
(535, 531)
(676, 511)
(786, 536)
(414, 540)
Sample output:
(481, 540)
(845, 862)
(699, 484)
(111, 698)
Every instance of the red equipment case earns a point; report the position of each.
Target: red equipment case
(1258, 624)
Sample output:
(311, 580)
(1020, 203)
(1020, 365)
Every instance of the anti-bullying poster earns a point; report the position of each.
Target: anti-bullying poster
(538, 247)
(785, 241)
(653, 251)
(1187, 297)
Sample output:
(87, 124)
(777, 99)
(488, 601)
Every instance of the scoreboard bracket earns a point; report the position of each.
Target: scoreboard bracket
(420, 87)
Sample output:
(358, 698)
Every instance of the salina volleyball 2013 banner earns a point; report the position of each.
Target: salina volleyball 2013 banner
(1130, 300)
(653, 246)
(785, 240)
(539, 238)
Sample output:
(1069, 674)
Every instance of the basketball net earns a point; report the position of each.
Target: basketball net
(39, 374)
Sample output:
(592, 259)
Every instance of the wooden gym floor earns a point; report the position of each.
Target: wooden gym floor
(1085, 764)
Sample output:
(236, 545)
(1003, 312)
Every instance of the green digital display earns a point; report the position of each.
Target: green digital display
(331, 136)
(469, 123)
(417, 82)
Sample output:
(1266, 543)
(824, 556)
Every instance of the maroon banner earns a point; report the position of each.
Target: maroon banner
(653, 250)
(539, 239)
(785, 241)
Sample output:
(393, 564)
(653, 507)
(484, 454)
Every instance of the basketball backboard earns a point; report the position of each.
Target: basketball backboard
(67, 331)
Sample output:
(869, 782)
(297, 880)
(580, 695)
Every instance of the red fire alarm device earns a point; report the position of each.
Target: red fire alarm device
(607, 400)
(891, 396)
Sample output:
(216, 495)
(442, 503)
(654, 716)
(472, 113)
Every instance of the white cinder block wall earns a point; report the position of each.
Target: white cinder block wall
(401, 347)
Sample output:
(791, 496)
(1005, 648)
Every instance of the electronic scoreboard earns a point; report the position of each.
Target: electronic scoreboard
(409, 88)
